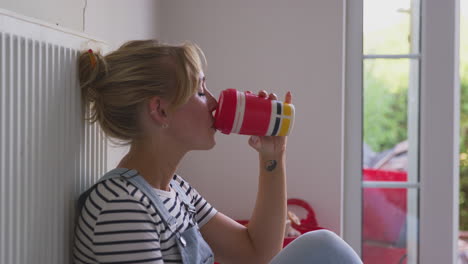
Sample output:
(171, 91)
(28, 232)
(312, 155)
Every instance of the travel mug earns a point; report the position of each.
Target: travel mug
(248, 114)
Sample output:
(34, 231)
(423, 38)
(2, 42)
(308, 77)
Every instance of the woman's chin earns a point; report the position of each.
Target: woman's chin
(212, 145)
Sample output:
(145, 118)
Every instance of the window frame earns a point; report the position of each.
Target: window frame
(438, 125)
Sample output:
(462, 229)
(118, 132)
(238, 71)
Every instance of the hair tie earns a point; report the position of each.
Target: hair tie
(92, 58)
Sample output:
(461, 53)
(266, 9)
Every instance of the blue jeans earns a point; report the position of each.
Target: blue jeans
(321, 246)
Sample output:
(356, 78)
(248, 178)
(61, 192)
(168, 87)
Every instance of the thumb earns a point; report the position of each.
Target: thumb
(254, 141)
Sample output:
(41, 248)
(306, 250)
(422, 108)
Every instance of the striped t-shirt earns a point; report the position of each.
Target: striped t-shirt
(119, 224)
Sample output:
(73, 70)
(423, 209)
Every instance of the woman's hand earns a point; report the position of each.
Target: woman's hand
(270, 146)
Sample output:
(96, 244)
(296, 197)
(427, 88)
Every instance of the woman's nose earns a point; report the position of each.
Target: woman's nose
(212, 103)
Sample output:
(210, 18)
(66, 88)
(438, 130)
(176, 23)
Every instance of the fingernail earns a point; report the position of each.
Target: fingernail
(254, 139)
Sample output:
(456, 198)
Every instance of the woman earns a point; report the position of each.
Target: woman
(153, 97)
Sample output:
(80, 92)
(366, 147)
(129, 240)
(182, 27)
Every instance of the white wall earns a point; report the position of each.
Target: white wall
(117, 21)
(65, 13)
(277, 46)
(113, 21)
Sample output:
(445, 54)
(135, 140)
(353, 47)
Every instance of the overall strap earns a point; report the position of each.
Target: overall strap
(183, 196)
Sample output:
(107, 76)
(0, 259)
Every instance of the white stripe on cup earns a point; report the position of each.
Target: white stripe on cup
(291, 123)
(273, 116)
(240, 110)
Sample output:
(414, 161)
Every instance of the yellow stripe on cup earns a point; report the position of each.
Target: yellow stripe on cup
(287, 111)
(284, 126)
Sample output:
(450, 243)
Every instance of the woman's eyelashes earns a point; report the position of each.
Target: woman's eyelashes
(203, 83)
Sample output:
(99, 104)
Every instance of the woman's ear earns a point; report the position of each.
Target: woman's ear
(157, 108)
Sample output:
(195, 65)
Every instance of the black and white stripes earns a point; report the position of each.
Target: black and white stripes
(118, 224)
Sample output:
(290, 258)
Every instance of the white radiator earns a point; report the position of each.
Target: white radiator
(48, 155)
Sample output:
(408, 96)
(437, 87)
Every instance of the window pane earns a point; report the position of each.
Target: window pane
(464, 125)
(385, 120)
(388, 27)
(386, 215)
(390, 132)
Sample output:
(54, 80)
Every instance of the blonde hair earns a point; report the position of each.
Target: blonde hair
(115, 86)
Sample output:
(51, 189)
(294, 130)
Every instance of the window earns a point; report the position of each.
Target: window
(464, 129)
(401, 113)
(390, 178)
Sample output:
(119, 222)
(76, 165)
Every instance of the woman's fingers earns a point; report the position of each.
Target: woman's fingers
(288, 98)
(255, 142)
(273, 96)
(263, 94)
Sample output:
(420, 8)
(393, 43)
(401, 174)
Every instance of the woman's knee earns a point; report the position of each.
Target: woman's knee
(328, 243)
(320, 246)
(322, 237)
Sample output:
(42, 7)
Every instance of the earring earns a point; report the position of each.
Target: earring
(164, 125)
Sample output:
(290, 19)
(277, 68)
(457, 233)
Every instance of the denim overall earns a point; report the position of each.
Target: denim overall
(193, 248)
